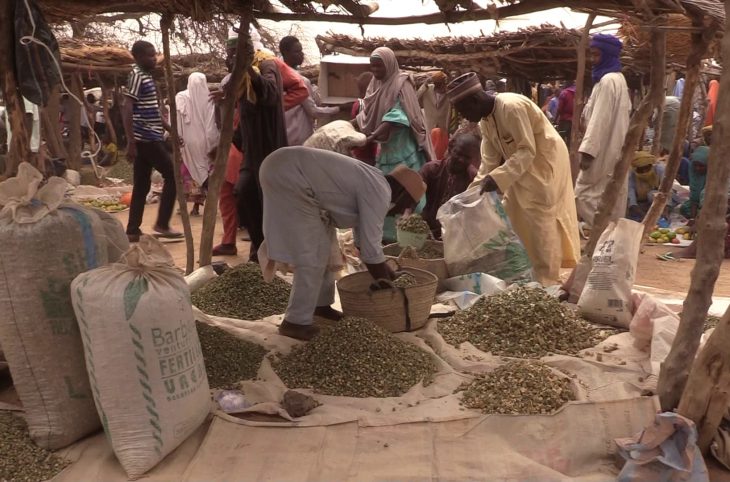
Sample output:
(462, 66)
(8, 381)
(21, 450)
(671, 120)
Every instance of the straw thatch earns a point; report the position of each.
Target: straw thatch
(537, 53)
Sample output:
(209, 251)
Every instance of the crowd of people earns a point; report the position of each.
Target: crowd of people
(423, 145)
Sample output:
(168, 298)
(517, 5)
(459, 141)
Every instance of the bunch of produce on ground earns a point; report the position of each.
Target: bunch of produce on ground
(518, 388)
(20, 458)
(228, 359)
(666, 235)
(109, 206)
(428, 251)
(525, 323)
(242, 293)
(356, 358)
(413, 224)
(405, 280)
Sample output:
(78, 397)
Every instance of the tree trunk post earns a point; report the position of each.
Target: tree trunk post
(73, 113)
(579, 97)
(108, 123)
(20, 146)
(712, 229)
(636, 129)
(165, 23)
(700, 44)
(210, 213)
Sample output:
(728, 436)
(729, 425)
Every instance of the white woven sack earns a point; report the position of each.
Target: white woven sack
(45, 245)
(143, 354)
(338, 136)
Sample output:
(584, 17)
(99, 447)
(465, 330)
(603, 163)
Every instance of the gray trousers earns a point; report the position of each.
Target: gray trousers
(312, 287)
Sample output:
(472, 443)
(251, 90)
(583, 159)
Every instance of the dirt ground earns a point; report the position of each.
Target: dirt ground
(652, 272)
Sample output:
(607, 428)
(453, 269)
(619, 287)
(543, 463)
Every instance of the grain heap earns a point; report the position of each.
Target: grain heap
(228, 359)
(405, 280)
(20, 458)
(242, 293)
(414, 224)
(428, 251)
(524, 322)
(356, 358)
(518, 388)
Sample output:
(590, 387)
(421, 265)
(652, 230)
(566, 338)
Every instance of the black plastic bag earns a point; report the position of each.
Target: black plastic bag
(37, 72)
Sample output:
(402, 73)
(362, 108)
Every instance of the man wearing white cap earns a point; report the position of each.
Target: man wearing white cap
(307, 194)
(524, 157)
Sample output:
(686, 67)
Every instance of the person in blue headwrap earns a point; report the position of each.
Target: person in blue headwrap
(606, 122)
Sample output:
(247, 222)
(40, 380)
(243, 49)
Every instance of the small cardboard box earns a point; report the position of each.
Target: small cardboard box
(338, 78)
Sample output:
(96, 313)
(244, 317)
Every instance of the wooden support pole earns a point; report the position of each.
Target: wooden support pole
(707, 395)
(638, 123)
(579, 102)
(108, 122)
(656, 145)
(20, 145)
(165, 24)
(700, 44)
(710, 252)
(210, 212)
(73, 113)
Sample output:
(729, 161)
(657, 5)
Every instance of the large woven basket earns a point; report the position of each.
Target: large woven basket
(397, 309)
(435, 266)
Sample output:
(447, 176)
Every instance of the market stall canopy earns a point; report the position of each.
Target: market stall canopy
(537, 53)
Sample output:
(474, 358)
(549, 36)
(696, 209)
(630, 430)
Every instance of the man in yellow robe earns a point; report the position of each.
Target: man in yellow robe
(524, 157)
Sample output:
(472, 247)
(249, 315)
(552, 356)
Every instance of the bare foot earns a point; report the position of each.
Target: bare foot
(690, 252)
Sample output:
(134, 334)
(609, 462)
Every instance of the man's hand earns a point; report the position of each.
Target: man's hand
(380, 271)
(586, 160)
(488, 185)
(131, 152)
(217, 96)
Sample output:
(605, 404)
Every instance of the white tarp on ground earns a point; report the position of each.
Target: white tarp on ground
(424, 434)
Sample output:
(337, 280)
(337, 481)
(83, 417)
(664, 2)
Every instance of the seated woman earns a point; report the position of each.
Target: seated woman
(697, 179)
(644, 181)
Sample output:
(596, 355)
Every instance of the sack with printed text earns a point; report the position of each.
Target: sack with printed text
(478, 238)
(606, 297)
(338, 136)
(46, 243)
(143, 354)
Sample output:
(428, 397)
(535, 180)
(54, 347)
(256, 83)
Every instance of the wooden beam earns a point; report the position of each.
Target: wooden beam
(228, 107)
(73, 116)
(165, 23)
(700, 44)
(710, 252)
(580, 101)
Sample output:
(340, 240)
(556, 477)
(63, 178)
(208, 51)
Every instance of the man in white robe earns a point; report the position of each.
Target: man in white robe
(606, 120)
(307, 194)
(524, 157)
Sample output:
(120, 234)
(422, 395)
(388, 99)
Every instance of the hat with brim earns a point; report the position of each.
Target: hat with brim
(410, 180)
(463, 87)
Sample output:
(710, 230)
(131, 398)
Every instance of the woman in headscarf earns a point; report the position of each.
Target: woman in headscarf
(606, 121)
(697, 181)
(198, 130)
(392, 117)
(644, 180)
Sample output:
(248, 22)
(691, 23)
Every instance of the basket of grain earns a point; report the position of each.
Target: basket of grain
(412, 231)
(405, 307)
(429, 258)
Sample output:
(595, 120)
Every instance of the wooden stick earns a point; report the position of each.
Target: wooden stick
(108, 123)
(579, 97)
(73, 116)
(165, 23)
(700, 44)
(636, 128)
(710, 252)
(210, 212)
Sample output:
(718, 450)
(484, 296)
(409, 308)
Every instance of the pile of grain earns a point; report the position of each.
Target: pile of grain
(524, 322)
(228, 359)
(405, 280)
(242, 293)
(414, 224)
(519, 387)
(428, 251)
(20, 458)
(356, 358)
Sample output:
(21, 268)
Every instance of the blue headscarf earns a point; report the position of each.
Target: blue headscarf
(610, 48)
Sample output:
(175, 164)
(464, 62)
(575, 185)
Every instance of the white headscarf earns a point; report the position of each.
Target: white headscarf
(382, 95)
(196, 124)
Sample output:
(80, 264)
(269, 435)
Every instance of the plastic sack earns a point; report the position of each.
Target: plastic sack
(143, 354)
(606, 297)
(37, 68)
(45, 245)
(338, 136)
(665, 451)
(478, 238)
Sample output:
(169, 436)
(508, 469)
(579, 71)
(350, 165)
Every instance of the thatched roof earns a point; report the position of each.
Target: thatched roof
(537, 53)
